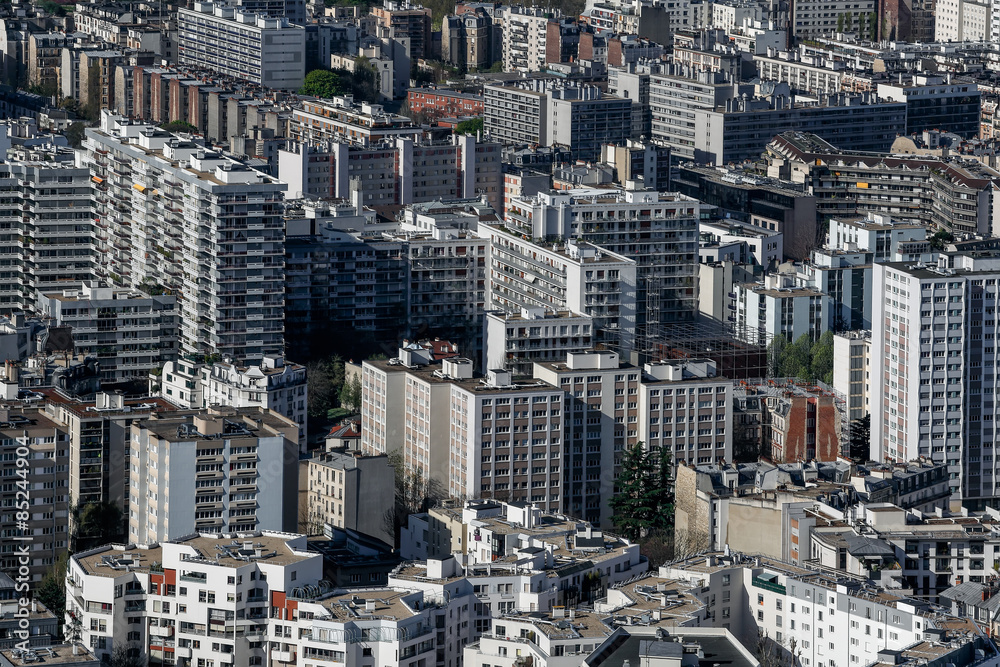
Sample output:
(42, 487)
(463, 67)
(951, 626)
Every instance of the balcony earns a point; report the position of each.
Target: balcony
(283, 656)
(158, 631)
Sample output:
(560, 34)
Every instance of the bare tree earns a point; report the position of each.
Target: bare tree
(127, 655)
(688, 543)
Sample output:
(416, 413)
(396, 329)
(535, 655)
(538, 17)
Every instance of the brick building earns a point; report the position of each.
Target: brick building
(801, 424)
(439, 103)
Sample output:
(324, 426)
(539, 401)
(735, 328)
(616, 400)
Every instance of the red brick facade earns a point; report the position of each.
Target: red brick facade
(440, 103)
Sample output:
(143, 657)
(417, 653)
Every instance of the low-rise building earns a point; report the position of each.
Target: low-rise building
(275, 385)
(351, 492)
(131, 333)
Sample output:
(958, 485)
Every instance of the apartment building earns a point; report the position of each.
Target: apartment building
(400, 19)
(852, 352)
(200, 597)
(811, 19)
(934, 103)
(52, 247)
(45, 473)
(498, 440)
(779, 307)
(341, 121)
(220, 470)
(516, 340)
(395, 171)
(828, 618)
(443, 102)
(176, 215)
(274, 385)
(131, 333)
(935, 192)
(98, 441)
(524, 32)
(601, 412)
(265, 50)
(709, 120)
(658, 230)
(939, 405)
(352, 492)
(577, 277)
(685, 407)
(578, 116)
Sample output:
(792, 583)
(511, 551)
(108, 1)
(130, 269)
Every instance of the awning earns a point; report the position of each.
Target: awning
(97, 179)
(140, 188)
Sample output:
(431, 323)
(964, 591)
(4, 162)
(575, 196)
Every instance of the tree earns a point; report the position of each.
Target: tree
(821, 364)
(51, 592)
(75, 135)
(940, 239)
(96, 524)
(840, 23)
(179, 126)
(350, 394)
(414, 493)
(322, 83)
(127, 655)
(873, 26)
(775, 353)
(860, 438)
(471, 126)
(366, 81)
(643, 499)
(797, 361)
(324, 380)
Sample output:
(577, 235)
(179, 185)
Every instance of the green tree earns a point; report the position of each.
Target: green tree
(51, 591)
(471, 126)
(775, 354)
(940, 239)
(179, 126)
(797, 360)
(74, 134)
(96, 524)
(822, 358)
(873, 26)
(324, 379)
(365, 81)
(840, 23)
(643, 499)
(322, 83)
(350, 394)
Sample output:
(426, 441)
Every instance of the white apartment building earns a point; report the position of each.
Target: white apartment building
(934, 346)
(478, 437)
(130, 332)
(524, 30)
(218, 471)
(265, 50)
(816, 18)
(515, 341)
(576, 276)
(173, 214)
(685, 407)
(886, 239)
(780, 307)
(852, 370)
(53, 247)
(201, 598)
(831, 620)
(602, 413)
(659, 231)
(274, 384)
(963, 21)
